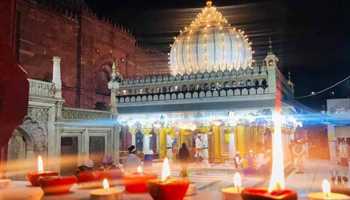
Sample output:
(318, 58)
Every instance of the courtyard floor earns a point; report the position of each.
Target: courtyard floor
(210, 179)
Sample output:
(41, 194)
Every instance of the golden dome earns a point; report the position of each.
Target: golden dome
(209, 43)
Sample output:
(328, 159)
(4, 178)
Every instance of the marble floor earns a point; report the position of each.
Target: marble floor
(209, 181)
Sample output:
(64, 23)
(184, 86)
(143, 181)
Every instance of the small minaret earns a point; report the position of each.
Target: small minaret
(113, 85)
(56, 76)
(271, 60)
(290, 83)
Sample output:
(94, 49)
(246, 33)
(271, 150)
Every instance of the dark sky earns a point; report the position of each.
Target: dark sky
(311, 38)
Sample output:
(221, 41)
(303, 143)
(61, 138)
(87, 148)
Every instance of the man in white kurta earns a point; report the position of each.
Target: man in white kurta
(169, 146)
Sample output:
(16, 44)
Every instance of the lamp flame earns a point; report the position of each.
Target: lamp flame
(326, 187)
(40, 164)
(105, 184)
(237, 181)
(139, 170)
(277, 181)
(165, 170)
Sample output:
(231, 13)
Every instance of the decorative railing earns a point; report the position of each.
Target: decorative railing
(78, 113)
(244, 91)
(219, 75)
(41, 88)
(235, 80)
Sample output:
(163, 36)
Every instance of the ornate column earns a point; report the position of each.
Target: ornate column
(113, 85)
(56, 76)
(240, 139)
(271, 62)
(232, 143)
(217, 143)
(162, 142)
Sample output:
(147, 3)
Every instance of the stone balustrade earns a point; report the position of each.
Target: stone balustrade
(78, 114)
(39, 88)
(244, 91)
(237, 80)
(219, 75)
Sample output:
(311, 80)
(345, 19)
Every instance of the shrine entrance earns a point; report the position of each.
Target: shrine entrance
(20, 148)
(69, 152)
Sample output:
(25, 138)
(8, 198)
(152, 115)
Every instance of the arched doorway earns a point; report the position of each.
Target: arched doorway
(20, 149)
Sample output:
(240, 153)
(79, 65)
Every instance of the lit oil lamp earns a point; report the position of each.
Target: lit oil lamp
(167, 188)
(106, 193)
(276, 188)
(233, 193)
(137, 182)
(57, 184)
(327, 194)
(33, 177)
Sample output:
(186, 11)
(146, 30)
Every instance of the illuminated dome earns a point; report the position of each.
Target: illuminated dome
(209, 44)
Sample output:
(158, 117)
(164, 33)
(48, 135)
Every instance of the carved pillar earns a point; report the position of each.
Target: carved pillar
(217, 143)
(51, 141)
(56, 76)
(240, 139)
(232, 143)
(113, 85)
(162, 142)
(116, 142)
(146, 144)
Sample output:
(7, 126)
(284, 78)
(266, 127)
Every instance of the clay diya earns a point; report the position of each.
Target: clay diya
(33, 177)
(137, 182)
(106, 193)
(167, 188)
(326, 193)
(57, 184)
(233, 193)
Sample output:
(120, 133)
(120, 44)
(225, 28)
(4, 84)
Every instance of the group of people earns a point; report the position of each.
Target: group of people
(198, 150)
(253, 163)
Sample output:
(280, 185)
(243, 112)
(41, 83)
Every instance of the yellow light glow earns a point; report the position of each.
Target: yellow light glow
(105, 184)
(326, 187)
(277, 181)
(165, 170)
(139, 169)
(40, 164)
(237, 180)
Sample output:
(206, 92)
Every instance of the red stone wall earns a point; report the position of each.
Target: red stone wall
(86, 46)
(44, 34)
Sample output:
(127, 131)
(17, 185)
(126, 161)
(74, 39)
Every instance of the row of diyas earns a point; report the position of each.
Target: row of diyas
(165, 188)
(237, 192)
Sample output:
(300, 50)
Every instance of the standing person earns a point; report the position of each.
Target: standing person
(174, 148)
(198, 146)
(238, 161)
(132, 161)
(169, 146)
(251, 163)
(184, 157)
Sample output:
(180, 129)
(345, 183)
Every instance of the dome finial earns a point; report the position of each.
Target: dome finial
(209, 3)
(270, 45)
(290, 79)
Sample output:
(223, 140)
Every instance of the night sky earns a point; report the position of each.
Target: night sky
(308, 36)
